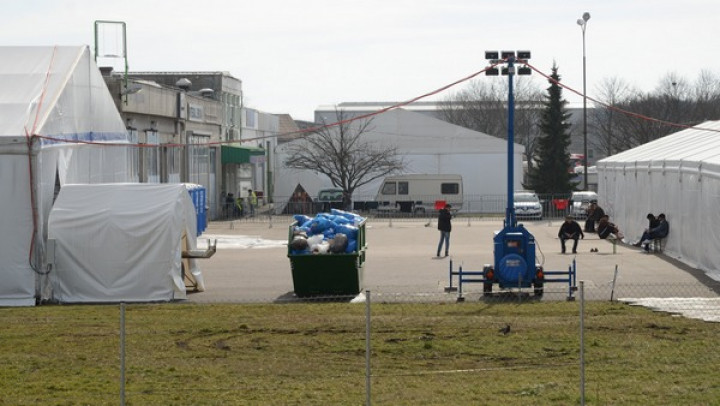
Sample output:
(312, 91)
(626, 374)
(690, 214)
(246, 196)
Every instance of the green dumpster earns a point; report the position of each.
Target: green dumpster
(328, 274)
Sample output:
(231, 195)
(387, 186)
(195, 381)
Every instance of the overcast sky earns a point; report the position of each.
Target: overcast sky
(294, 55)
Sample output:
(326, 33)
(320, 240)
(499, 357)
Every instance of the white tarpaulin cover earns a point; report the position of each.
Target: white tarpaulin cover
(121, 242)
(678, 175)
(48, 95)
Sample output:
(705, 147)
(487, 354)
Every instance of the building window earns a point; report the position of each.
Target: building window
(199, 164)
(250, 118)
(173, 162)
(151, 157)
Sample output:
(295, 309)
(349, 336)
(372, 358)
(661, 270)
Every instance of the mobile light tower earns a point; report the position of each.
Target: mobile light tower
(514, 265)
(582, 22)
(514, 247)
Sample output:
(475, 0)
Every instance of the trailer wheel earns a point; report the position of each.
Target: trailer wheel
(538, 289)
(487, 289)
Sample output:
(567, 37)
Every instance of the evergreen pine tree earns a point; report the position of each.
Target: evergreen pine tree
(551, 175)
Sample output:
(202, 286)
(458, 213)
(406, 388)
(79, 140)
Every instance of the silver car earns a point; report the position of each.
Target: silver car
(527, 205)
(579, 202)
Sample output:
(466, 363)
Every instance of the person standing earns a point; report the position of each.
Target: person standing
(229, 206)
(252, 201)
(570, 230)
(445, 226)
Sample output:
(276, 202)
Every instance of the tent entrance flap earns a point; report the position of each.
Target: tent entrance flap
(239, 155)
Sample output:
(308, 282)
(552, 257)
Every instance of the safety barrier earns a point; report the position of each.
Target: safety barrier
(465, 276)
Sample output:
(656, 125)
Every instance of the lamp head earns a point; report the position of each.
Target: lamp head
(586, 16)
(581, 22)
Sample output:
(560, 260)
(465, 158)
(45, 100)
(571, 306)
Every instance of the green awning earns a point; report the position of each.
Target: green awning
(238, 155)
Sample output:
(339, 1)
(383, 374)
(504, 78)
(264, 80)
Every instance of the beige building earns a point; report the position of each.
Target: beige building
(192, 127)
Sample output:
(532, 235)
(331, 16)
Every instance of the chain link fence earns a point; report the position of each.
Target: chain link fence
(373, 348)
(554, 206)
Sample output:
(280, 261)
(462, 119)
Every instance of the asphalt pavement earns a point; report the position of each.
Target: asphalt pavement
(251, 263)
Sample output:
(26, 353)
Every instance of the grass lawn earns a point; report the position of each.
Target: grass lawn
(314, 354)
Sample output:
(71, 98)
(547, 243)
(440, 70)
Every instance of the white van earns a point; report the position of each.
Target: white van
(420, 193)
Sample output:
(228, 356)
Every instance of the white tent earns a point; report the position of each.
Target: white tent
(678, 175)
(121, 242)
(429, 146)
(50, 98)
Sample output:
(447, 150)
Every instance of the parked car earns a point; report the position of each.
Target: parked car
(527, 205)
(579, 202)
(331, 198)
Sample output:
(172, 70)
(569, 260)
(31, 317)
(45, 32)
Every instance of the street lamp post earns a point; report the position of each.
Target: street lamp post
(582, 22)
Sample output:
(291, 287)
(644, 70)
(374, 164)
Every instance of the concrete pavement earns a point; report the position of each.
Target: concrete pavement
(400, 263)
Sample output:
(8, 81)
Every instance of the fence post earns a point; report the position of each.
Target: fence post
(367, 348)
(612, 290)
(460, 297)
(450, 287)
(122, 353)
(582, 343)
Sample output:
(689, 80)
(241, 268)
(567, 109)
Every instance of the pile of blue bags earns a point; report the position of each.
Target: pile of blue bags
(327, 233)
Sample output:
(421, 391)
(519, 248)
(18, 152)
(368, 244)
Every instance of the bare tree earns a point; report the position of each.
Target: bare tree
(635, 117)
(707, 96)
(342, 153)
(482, 106)
(606, 122)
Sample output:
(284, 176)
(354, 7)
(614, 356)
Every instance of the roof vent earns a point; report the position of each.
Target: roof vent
(183, 83)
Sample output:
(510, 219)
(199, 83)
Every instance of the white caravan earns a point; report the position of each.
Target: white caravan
(420, 193)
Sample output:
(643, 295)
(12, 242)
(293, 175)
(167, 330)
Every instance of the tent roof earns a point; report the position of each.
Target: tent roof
(55, 91)
(419, 133)
(697, 144)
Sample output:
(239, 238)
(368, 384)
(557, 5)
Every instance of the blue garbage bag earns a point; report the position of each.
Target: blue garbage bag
(349, 230)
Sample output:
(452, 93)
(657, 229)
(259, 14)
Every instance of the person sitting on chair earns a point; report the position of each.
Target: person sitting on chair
(661, 231)
(652, 223)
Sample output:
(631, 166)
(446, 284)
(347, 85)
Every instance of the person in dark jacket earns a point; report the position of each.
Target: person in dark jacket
(594, 213)
(652, 223)
(445, 226)
(570, 230)
(661, 231)
(605, 228)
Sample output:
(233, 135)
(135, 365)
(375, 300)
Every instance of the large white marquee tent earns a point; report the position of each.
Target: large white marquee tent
(428, 146)
(678, 175)
(49, 97)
